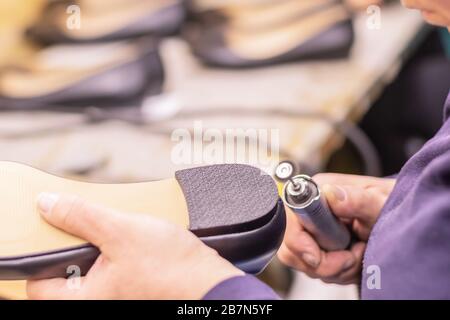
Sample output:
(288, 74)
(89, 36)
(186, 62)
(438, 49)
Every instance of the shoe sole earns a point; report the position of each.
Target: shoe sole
(234, 209)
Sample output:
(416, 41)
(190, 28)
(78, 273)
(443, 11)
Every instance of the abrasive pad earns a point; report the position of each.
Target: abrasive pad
(226, 196)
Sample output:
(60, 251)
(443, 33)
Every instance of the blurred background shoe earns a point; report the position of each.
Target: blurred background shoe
(103, 20)
(266, 32)
(362, 5)
(207, 5)
(83, 75)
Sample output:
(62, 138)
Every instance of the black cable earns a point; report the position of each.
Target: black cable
(353, 133)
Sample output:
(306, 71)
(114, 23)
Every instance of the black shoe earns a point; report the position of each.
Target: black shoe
(199, 6)
(115, 73)
(322, 30)
(232, 208)
(104, 21)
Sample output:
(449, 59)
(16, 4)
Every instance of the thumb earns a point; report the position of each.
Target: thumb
(353, 202)
(79, 218)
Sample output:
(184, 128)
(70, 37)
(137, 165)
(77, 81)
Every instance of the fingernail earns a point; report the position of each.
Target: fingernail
(338, 192)
(348, 264)
(46, 201)
(310, 259)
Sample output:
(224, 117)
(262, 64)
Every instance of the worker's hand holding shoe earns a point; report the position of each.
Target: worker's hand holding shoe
(141, 257)
(356, 200)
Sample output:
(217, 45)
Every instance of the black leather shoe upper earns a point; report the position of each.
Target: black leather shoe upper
(207, 35)
(154, 21)
(123, 82)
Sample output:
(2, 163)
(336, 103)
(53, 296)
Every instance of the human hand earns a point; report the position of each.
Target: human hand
(356, 200)
(141, 257)
(436, 12)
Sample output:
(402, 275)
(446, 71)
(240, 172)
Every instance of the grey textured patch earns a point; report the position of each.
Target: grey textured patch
(227, 194)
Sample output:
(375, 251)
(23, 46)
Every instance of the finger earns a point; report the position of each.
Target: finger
(52, 289)
(331, 266)
(74, 215)
(292, 260)
(350, 179)
(301, 251)
(334, 262)
(352, 274)
(353, 201)
(358, 250)
(384, 185)
(300, 242)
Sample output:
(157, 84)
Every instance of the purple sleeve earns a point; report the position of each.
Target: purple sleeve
(407, 256)
(241, 288)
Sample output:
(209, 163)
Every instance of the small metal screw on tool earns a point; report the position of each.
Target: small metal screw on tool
(285, 171)
(302, 195)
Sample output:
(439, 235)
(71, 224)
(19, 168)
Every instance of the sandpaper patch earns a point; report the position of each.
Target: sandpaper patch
(227, 195)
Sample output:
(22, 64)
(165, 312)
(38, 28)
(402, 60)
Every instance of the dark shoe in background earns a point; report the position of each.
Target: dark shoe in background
(84, 75)
(108, 20)
(269, 33)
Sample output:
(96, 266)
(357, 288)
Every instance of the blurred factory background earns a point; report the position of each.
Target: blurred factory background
(93, 89)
